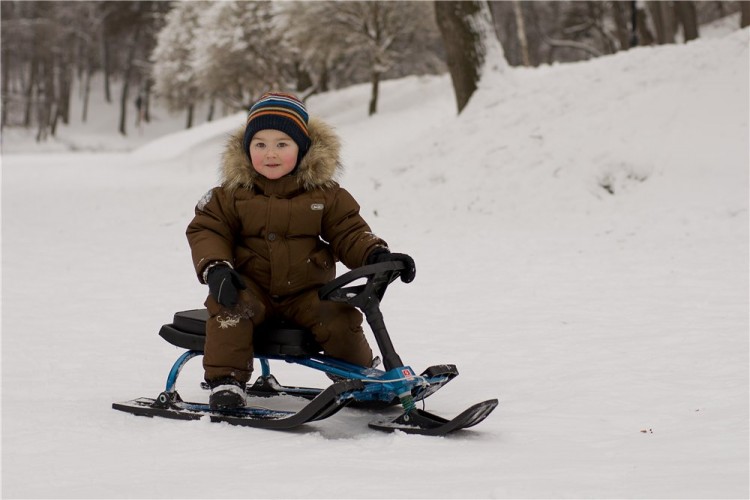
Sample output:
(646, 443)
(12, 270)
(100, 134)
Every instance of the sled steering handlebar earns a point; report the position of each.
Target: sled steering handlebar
(367, 298)
(378, 276)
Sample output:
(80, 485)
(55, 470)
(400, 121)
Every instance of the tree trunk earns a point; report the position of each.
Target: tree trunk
(147, 102)
(521, 32)
(211, 110)
(45, 99)
(86, 92)
(65, 86)
(600, 26)
(465, 27)
(55, 115)
(662, 12)
(687, 17)
(634, 38)
(123, 128)
(129, 65)
(5, 85)
(620, 16)
(30, 85)
(106, 68)
(374, 94)
(323, 80)
(645, 36)
(126, 80)
(190, 111)
(745, 17)
(304, 80)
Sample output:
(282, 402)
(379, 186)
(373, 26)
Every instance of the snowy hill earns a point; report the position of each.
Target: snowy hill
(581, 238)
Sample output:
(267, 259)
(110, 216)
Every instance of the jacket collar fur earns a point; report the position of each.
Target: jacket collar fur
(319, 168)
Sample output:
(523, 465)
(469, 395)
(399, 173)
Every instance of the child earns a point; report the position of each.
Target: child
(269, 237)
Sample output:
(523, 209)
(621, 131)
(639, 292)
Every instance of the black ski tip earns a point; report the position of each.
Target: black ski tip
(421, 422)
(170, 405)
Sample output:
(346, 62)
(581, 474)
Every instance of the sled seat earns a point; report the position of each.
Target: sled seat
(272, 338)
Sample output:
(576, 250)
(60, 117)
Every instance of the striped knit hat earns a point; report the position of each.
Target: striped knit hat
(282, 112)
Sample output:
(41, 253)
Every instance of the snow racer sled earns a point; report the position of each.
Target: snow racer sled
(358, 385)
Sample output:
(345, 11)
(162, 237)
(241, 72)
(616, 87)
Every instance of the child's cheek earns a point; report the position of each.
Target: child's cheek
(255, 158)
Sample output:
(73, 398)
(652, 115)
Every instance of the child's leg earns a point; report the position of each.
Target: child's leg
(228, 351)
(337, 327)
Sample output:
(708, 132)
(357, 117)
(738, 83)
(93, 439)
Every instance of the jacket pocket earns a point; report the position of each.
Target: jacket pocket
(322, 267)
(318, 269)
(322, 258)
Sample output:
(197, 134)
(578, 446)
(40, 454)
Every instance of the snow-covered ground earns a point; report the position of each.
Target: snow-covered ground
(581, 239)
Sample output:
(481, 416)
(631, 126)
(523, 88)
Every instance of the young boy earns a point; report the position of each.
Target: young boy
(269, 237)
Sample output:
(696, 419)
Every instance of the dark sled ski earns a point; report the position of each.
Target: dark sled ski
(170, 405)
(421, 422)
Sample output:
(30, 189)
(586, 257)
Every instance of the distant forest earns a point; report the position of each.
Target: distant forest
(225, 53)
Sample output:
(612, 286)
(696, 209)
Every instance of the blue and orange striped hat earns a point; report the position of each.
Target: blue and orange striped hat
(279, 111)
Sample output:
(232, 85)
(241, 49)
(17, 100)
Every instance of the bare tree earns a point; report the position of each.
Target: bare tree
(552, 31)
(126, 80)
(745, 16)
(174, 73)
(91, 23)
(521, 30)
(35, 76)
(687, 17)
(378, 25)
(374, 36)
(471, 45)
(361, 41)
(241, 53)
(46, 45)
(130, 28)
(620, 15)
(315, 53)
(662, 13)
(645, 33)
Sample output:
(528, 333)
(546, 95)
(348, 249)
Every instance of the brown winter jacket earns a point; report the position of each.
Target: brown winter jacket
(284, 234)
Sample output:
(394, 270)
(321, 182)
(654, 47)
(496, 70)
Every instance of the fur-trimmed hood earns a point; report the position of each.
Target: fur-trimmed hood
(319, 168)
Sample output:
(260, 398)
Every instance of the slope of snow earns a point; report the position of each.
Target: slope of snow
(581, 238)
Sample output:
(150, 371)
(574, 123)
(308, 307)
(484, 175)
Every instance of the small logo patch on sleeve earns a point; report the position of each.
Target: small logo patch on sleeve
(317, 206)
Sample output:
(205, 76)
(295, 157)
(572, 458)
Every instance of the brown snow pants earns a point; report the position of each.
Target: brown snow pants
(228, 350)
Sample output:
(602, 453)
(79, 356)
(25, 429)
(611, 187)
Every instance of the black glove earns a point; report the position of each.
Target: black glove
(224, 284)
(381, 254)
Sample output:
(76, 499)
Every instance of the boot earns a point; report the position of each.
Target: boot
(226, 394)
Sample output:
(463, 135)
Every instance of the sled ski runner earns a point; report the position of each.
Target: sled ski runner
(358, 386)
(327, 403)
(421, 422)
(170, 405)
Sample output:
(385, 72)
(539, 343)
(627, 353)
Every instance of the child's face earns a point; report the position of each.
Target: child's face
(273, 153)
